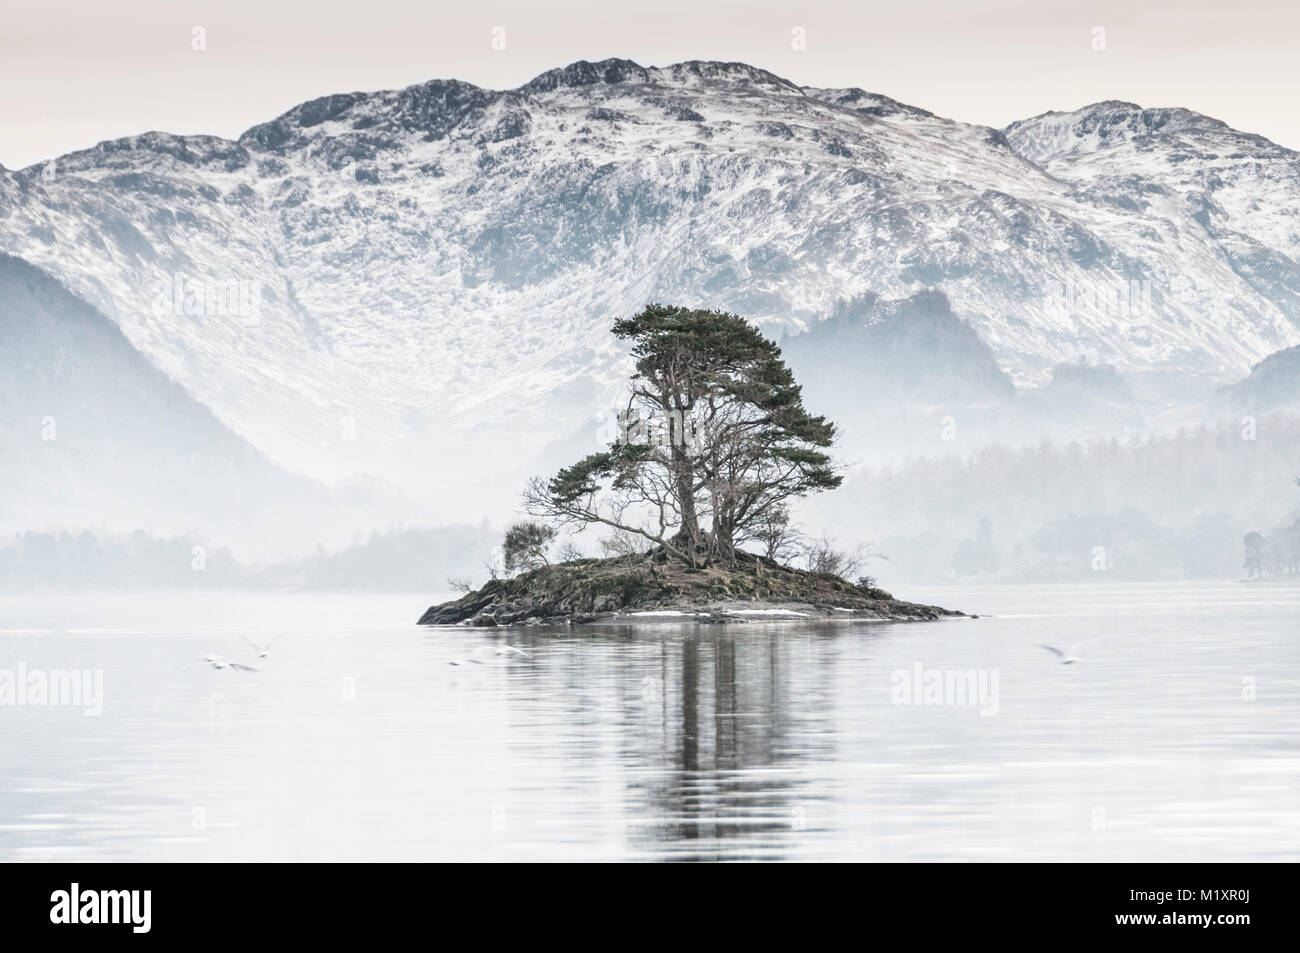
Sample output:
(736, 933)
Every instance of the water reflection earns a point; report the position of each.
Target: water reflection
(719, 730)
(711, 724)
(761, 741)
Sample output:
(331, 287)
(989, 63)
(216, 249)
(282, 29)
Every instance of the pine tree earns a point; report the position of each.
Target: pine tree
(714, 439)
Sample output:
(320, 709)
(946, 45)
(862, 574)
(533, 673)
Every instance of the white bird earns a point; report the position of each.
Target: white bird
(262, 650)
(220, 663)
(1070, 655)
(485, 652)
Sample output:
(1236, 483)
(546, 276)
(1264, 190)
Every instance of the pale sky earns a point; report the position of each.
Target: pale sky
(74, 72)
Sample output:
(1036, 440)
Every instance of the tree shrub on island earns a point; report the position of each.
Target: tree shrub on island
(713, 445)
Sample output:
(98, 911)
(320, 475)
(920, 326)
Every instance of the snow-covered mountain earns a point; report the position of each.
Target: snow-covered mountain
(1242, 190)
(396, 282)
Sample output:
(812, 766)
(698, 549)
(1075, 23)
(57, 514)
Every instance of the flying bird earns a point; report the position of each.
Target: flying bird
(1070, 655)
(220, 663)
(485, 653)
(262, 650)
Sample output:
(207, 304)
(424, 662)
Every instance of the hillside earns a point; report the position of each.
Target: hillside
(428, 274)
(1273, 384)
(92, 434)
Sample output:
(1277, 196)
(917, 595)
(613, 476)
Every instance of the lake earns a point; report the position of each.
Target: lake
(1176, 736)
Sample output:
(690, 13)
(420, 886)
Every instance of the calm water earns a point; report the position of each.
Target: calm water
(357, 739)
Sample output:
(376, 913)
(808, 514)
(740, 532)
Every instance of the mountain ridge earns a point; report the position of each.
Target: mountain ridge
(439, 264)
(615, 70)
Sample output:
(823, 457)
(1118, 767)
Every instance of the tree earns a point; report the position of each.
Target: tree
(525, 546)
(1290, 548)
(622, 543)
(778, 539)
(822, 556)
(714, 439)
(976, 556)
(569, 552)
(1254, 566)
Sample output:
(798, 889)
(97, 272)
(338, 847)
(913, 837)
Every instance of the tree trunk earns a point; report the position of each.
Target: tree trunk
(689, 537)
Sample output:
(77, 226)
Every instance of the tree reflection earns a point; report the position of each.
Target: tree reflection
(719, 731)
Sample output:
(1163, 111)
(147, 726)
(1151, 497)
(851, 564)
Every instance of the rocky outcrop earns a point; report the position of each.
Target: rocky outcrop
(638, 589)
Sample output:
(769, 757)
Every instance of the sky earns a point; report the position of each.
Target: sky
(75, 72)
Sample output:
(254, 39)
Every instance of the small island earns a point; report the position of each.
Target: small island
(637, 589)
(713, 446)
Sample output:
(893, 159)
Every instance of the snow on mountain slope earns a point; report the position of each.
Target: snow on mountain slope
(435, 268)
(1241, 189)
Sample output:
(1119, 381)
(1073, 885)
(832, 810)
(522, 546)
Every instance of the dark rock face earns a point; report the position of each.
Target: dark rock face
(916, 348)
(592, 590)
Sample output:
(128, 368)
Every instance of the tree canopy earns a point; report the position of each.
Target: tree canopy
(713, 445)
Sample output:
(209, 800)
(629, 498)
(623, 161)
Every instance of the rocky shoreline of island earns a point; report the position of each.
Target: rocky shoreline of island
(641, 590)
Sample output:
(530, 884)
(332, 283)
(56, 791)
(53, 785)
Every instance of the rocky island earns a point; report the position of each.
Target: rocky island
(637, 589)
(714, 445)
